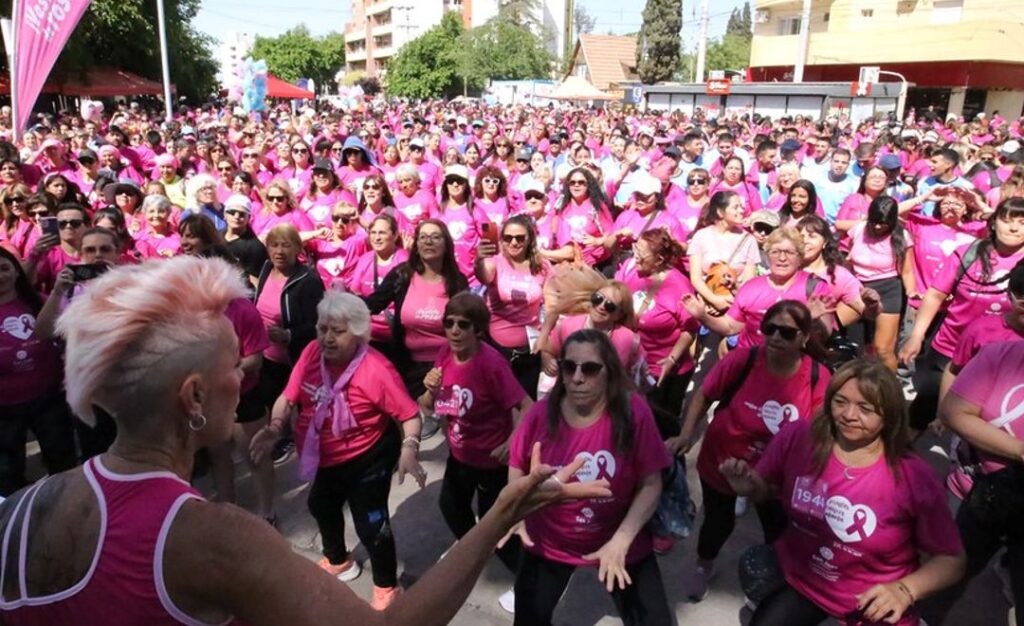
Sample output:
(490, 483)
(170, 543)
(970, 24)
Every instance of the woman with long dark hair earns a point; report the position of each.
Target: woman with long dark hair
(761, 391)
(592, 413)
(823, 258)
(386, 252)
(975, 280)
(855, 208)
(801, 200)
(734, 179)
(584, 216)
(723, 255)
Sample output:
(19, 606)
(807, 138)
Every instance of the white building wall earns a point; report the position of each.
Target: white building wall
(234, 48)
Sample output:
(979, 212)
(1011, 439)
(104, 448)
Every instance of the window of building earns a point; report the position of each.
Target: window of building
(581, 70)
(867, 12)
(826, 17)
(789, 26)
(947, 11)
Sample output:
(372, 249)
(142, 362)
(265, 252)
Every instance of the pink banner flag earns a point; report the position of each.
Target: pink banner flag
(42, 27)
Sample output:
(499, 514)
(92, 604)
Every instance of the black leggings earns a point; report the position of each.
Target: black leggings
(540, 584)
(460, 483)
(928, 369)
(667, 403)
(364, 483)
(720, 520)
(787, 607)
(49, 419)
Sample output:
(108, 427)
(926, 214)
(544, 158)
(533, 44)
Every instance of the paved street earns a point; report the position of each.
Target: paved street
(422, 537)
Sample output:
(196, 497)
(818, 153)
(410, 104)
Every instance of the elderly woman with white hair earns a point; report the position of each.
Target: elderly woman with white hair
(411, 200)
(202, 200)
(151, 345)
(158, 235)
(353, 422)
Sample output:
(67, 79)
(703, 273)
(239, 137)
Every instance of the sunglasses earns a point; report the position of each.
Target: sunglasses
(450, 323)
(490, 181)
(534, 196)
(86, 160)
(227, 168)
(236, 213)
(276, 198)
(763, 229)
(416, 148)
(42, 213)
(62, 224)
(336, 149)
(598, 300)
(515, 238)
(250, 155)
(787, 332)
(455, 181)
(14, 200)
(589, 368)
(300, 151)
(371, 186)
(696, 181)
(344, 219)
(577, 183)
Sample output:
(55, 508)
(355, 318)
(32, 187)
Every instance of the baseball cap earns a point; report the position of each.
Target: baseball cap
(790, 145)
(890, 162)
(239, 202)
(456, 170)
(674, 152)
(417, 142)
(646, 185)
(765, 216)
(524, 155)
(1010, 147)
(930, 137)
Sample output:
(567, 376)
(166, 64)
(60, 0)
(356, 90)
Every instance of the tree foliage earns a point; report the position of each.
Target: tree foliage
(740, 24)
(731, 52)
(526, 13)
(659, 43)
(504, 50)
(123, 34)
(431, 65)
(583, 21)
(297, 54)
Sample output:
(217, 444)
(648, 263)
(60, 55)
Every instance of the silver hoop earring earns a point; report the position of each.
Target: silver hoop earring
(197, 422)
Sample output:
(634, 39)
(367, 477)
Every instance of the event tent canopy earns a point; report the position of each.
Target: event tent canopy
(277, 88)
(98, 82)
(577, 88)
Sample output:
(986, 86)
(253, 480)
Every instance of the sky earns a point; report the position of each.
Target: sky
(273, 17)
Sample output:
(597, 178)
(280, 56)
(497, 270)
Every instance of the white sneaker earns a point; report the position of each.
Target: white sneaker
(507, 601)
(741, 507)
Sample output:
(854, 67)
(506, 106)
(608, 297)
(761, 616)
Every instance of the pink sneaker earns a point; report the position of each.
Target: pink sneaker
(663, 545)
(347, 571)
(384, 596)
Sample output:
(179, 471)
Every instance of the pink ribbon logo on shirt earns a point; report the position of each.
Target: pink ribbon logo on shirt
(860, 519)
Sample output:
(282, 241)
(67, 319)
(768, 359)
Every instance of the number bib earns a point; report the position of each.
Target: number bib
(810, 496)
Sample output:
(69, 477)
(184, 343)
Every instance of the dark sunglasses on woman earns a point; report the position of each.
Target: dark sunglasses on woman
(450, 323)
(599, 300)
(787, 332)
(589, 368)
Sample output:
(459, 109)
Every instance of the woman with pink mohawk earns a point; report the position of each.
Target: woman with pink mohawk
(125, 540)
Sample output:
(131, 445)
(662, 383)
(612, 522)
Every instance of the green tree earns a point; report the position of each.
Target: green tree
(582, 20)
(522, 13)
(296, 54)
(740, 23)
(731, 52)
(433, 64)
(123, 34)
(659, 43)
(748, 22)
(503, 50)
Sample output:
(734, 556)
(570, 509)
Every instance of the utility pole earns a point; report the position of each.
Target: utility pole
(702, 41)
(162, 28)
(805, 36)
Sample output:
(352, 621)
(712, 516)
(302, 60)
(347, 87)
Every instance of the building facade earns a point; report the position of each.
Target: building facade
(234, 48)
(379, 28)
(962, 57)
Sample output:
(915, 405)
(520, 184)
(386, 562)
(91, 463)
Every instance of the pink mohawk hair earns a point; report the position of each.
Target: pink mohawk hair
(133, 316)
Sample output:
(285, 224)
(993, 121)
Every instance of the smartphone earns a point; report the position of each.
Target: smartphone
(49, 226)
(489, 232)
(84, 272)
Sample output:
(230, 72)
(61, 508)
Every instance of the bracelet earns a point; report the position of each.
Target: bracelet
(673, 359)
(904, 589)
(412, 441)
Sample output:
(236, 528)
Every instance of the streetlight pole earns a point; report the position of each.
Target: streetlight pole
(702, 42)
(901, 102)
(162, 28)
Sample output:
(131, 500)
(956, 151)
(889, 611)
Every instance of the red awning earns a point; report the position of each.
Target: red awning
(98, 82)
(277, 88)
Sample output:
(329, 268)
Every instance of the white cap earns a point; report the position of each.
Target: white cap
(456, 170)
(1010, 147)
(416, 141)
(931, 136)
(238, 201)
(646, 184)
(534, 185)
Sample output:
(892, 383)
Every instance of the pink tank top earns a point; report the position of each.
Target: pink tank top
(124, 584)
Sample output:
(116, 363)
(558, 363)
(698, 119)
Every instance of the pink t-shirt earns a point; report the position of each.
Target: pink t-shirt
(422, 315)
(336, 259)
(577, 220)
(497, 211)
(375, 395)
(987, 330)
(684, 210)
(269, 306)
(265, 220)
(50, 265)
(844, 287)
(626, 342)
(934, 243)
(763, 406)
(638, 224)
(159, 246)
(854, 208)
(974, 297)
(514, 299)
(318, 209)
(477, 397)
(29, 366)
(252, 334)
(853, 528)
(994, 381)
(363, 281)
(758, 295)
(748, 193)
(737, 248)
(566, 531)
(872, 258)
(664, 318)
(418, 206)
(464, 226)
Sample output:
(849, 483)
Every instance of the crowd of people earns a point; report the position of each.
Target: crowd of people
(570, 289)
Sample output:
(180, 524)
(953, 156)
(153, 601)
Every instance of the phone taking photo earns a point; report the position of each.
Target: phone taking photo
(84, 272)
(49, 226)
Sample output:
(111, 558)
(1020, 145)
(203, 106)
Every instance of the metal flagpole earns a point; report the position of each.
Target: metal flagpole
(163, 59)
(702, 42)
(12, 59)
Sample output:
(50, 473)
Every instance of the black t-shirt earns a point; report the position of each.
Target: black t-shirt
(250, 252)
